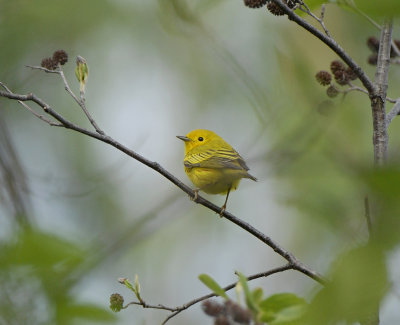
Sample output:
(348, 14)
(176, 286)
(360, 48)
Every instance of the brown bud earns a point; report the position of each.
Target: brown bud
(274, 9)
(212, 308)
(323, 77)
(341, 77)
(351, 74)
(337, 66)
(238, 313)
(60, 56)
(291, 3)
(373, 59)
(255, 3)
(49, 64)
(332, 91)
(373, 44)
(222, 320)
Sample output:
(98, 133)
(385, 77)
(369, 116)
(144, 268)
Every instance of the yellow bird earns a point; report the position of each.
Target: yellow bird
(212, 165)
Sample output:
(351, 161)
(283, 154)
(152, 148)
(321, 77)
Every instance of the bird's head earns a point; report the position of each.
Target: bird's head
(197, 138)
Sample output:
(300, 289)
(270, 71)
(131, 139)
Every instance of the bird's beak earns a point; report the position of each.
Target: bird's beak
(183, 138)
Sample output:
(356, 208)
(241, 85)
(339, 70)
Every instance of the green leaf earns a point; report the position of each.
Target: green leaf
(283, 309)
(290, 316)
(379, 8)
(42, 250)
(248, 295)
(213, 285)
(88, 312)
(281, 301)
(257, 295)
(129, 285)
(266, 316)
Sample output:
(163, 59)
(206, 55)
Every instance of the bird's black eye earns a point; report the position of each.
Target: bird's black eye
(201, 139)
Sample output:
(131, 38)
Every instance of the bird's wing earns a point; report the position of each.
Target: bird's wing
(215, 158)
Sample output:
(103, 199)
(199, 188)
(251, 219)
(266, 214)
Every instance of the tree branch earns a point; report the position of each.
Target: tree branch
(378, 100)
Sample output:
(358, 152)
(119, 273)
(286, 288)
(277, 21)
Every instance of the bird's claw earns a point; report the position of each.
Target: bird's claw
(221, 213)
(196, 195)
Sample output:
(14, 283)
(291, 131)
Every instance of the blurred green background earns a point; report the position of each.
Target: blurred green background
(77, 214)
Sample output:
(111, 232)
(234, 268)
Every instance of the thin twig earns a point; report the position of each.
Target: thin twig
(368, 215)
(80, 102)
(34, 67)
(393, 112)
(354, 88)
(227, 288)
(296, 265)
(39, 116)
(145, 305)
(303, 7)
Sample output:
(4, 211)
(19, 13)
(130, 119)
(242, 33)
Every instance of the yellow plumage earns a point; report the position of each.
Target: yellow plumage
(212, 164)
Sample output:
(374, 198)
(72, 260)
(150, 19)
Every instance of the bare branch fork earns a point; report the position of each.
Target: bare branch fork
(292, 260)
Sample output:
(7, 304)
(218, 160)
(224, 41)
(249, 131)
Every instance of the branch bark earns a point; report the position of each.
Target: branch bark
(378, 101)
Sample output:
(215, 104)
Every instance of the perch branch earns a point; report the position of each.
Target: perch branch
(296, 264)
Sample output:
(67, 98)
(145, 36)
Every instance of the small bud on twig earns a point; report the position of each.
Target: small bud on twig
(81, 72)
(332, 91)
(116, 302)
(323, 77)
(337, 66)
(255, 3)
(49, 64)
(373, 44)
(212, 308)
(373, 59)
(60, 56)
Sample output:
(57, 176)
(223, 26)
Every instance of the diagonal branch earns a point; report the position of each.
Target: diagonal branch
(296, 264)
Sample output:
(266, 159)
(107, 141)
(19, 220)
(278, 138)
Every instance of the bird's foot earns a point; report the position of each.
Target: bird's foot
(221, 213)
(196, 195)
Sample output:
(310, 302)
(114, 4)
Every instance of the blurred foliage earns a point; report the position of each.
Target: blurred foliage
(38, 277)
(358, 284)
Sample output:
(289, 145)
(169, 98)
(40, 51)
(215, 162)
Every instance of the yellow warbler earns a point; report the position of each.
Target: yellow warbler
(212, 164)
